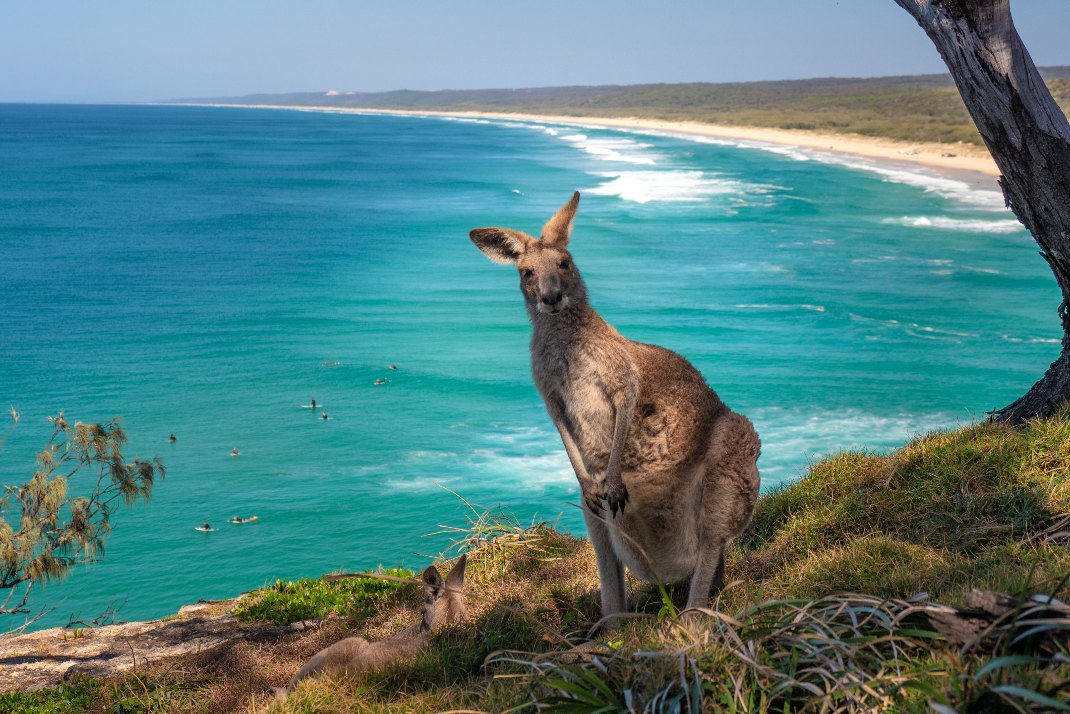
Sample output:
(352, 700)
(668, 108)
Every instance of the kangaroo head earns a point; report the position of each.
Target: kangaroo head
(548, 278)
(443, 600)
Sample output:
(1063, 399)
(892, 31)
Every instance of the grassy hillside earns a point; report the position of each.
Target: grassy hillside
(917, 108)
(822, 612)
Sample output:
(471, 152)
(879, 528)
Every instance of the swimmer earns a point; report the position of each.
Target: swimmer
(394, 367)
(172, 438)
(324, 417)
(234, 451)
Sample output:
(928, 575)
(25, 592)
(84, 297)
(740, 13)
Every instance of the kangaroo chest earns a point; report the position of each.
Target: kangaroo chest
(582, 383)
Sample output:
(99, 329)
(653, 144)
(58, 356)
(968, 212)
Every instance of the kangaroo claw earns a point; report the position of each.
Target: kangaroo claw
(593, 501)
(617, 496)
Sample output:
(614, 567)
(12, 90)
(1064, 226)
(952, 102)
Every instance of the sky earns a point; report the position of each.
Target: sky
(141, 50)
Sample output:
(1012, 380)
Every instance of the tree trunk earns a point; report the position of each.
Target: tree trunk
(1029, 138)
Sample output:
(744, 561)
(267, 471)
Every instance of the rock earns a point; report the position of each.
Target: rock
(46, 658)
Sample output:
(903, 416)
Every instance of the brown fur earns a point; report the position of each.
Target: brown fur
(668, 472)
(443, 605)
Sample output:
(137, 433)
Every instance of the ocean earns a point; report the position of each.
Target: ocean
(207, 271)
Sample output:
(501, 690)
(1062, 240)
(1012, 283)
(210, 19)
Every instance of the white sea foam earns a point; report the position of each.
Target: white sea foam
(791, 436)
(914, 329)
(804, 243)
(964, 225)
(1032, 340)
(630, 151)
(619, 149)
(682, 186)
(513, 455)
(954, 189)
(769, 306)
(944, 266)
(459, 120)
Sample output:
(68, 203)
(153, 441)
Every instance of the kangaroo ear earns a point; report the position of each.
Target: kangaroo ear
(432, 581)
(558, 229)
(500, 244)
(455, 580)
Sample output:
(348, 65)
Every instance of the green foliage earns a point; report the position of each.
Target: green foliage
(77, 696)
(56, 529)
(293, 601)
(918, 108)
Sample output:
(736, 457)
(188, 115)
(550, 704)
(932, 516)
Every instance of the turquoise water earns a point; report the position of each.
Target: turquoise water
(192, 269)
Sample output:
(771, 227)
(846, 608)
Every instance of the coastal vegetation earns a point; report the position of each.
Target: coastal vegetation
(867, 585)
(923, 108)
(61, 517)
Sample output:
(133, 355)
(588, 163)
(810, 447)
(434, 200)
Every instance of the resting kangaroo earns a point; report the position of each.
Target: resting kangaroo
(668, 472)
(443, 606)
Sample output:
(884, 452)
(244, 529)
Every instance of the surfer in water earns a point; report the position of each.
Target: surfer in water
(234, 451)
(313, 402)
(206, 526)
(324, 417)
(172, 438)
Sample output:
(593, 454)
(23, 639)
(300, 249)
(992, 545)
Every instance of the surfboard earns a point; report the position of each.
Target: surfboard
(202, 529)
(250, 519)
(309, 406)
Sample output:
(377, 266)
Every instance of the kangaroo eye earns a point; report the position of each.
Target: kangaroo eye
(564, 265)
(528, 272)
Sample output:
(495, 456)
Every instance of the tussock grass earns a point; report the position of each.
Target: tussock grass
(946, 513)
(983, 507)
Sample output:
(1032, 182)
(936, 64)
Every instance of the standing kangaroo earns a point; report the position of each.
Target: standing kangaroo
(640, 425)
(443, 606)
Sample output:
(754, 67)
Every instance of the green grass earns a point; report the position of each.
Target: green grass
(822, 611)
(946, 513)
(72, 698)
(286, 602)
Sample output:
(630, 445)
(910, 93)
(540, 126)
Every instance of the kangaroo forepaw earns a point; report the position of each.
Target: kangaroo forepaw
(617, 497)
(593, 501)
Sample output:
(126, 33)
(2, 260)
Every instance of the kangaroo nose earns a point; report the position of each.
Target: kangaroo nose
(551, 299)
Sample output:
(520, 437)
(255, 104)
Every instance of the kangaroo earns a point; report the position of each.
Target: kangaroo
(667, 471)
(443, 606)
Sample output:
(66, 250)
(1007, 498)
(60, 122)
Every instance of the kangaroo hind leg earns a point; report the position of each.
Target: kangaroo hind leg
(610, 568)
(709, 573)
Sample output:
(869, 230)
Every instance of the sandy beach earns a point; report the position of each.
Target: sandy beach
(963, 161)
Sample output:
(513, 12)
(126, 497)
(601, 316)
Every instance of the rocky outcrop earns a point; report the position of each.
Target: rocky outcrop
(46, 658)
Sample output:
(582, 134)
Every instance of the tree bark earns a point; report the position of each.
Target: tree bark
(1029, 138)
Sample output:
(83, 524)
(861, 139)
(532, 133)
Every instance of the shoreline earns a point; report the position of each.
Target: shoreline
(972, 164)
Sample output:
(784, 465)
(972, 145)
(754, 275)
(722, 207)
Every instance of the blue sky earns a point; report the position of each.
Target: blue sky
(137, 50)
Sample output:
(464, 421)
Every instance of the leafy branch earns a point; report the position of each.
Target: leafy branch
(45, 529)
